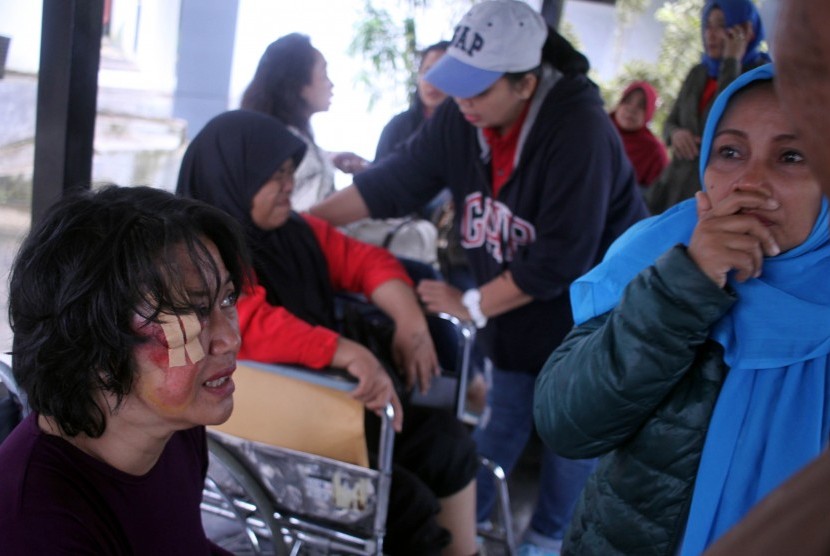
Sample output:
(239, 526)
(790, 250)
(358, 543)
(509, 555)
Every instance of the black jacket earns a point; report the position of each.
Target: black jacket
(638, 384)
(400, 128)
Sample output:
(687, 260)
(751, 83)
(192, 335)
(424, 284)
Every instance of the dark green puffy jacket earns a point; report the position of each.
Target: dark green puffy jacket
(637, 384)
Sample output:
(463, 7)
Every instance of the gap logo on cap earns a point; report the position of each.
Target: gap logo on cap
(462, 40)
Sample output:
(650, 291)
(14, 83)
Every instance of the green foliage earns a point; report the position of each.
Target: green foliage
(388, 48)
(566, 29)
(679, 50)
(627, 9)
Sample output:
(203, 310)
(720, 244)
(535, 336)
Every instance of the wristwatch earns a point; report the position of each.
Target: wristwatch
(471, 299)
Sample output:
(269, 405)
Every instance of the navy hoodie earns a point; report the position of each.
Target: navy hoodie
(571, 193)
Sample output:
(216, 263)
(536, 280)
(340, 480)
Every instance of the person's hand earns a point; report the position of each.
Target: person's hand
(440, 297)
(727, 238)
(736, 40)
(349, 163)
(374, 387)
(414, 352)
(685, 144)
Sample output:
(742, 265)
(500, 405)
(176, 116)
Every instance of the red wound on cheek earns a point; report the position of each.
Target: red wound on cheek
(157, 348)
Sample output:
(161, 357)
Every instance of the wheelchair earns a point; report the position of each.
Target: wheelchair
(295, 495)
(288, 497)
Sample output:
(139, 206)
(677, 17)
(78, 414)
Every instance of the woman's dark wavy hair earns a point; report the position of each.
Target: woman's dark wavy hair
(284, 69)
(95, 261)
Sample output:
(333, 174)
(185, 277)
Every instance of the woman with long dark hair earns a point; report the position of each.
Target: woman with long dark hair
(291, 84)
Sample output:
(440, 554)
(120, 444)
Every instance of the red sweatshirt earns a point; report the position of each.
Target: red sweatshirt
(273, 335)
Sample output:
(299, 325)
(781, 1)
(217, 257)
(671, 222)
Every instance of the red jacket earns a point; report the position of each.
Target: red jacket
(273, 335)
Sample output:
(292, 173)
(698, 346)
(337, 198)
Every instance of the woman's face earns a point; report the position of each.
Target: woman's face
(430, 96)
(499, 106)
(317, 94)
(184, 368)
(757, 150)
(714, 33)
(631, 112)
(271, 206)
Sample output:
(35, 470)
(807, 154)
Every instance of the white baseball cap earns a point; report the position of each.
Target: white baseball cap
(493, 38)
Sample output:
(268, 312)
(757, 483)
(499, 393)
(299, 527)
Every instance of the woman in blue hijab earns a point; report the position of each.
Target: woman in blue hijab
(699, 361)
(732, 34)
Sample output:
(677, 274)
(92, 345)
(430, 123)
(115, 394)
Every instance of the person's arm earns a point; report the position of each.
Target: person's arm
(348, 162)
(342, 207)
(273, 335)
(586, 196)
(356, 266)
(498, 296)
(412, 344)
(404, 181)
(672, 121)
(374, 387)
(625, 361)
(683, 141)
(736, 40)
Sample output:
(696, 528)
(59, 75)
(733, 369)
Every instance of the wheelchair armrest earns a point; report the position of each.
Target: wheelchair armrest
(283, 405)
(336, 379)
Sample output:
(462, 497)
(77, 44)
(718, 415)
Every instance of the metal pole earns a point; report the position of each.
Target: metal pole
(66, 99)
(552, 12)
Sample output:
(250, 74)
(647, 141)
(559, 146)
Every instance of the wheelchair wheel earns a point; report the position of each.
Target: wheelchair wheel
(231, 492)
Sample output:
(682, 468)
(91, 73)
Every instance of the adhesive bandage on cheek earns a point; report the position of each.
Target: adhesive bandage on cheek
(182, 335)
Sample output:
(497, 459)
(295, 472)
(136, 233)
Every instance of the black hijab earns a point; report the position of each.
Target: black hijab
(225, 165)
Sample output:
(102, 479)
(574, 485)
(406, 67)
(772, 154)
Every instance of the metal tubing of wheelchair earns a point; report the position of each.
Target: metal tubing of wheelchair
(468, 330)
(7, 378)
(253, 540)
(387, 443)
(465, 349)
(251, 485)
(504, 503)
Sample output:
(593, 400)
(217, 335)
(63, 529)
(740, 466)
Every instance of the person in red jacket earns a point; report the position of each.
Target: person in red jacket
(244, 163)
(631, 117)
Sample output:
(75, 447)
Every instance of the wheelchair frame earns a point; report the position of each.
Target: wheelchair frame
(257, 500)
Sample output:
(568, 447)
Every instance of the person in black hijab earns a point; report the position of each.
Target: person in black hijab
(243, 162)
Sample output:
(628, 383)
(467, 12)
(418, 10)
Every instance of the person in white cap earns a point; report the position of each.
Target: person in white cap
(543, 186)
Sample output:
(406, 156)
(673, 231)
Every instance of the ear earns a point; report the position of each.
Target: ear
(527, 86)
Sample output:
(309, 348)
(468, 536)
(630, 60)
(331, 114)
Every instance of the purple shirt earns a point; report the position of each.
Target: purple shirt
(56, 499)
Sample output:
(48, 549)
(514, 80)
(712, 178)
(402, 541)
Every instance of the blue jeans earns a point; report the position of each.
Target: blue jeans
(503, 438)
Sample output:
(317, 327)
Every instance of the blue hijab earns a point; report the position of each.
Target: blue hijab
(773, 413)
(736, 12)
